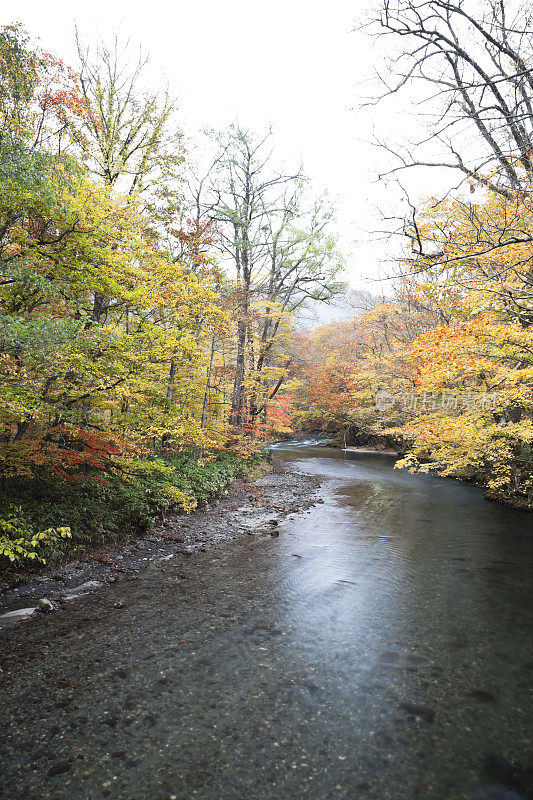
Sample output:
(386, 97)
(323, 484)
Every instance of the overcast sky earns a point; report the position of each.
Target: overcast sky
(295, 64)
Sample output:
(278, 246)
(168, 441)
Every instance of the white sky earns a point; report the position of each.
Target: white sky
(294, 64)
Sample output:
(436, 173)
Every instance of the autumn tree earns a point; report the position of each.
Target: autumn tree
(281, 252)
(468, 255)
(467, 65)
(474, 385)
(342, 366)
(93, 311)
(130, 141)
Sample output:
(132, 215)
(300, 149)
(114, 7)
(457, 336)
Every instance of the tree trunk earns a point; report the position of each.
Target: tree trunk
(238, 385)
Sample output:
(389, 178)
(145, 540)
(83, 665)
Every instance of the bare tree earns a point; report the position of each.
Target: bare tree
(303, 262)
(473, 62)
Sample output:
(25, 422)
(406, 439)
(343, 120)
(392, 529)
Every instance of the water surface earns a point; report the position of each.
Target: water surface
(379, 648)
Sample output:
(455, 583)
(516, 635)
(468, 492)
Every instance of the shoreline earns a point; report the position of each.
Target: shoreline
(248, 508)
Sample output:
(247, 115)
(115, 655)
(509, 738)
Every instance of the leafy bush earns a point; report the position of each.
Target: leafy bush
(18, 540)
(127, 501)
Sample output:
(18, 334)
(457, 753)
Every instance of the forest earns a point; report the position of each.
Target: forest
(150, 335)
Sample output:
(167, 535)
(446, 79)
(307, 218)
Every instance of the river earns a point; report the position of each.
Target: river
(379, 648)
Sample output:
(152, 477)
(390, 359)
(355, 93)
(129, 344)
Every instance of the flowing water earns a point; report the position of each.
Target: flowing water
(379, 648)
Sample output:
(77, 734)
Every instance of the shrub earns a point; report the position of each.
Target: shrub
(19, 541)
(97, 509)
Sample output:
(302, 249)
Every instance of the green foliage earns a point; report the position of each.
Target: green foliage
(99, 510)
(19, 67)
(19, 540)
(203, 481)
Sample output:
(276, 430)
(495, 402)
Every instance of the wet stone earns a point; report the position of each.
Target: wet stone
(12, 617)
(59, 767)
(508, 774)
(83, 588)
(423, 712)
(497, 791)
(389, 657)
(483, 696)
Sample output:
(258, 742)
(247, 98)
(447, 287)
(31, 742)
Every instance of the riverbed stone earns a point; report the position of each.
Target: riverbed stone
(12, 617)
(83, 588)
(497, 791)
(59, 767)
(415, 710)
(483, 696)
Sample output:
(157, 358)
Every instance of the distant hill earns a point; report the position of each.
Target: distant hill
(351, 304)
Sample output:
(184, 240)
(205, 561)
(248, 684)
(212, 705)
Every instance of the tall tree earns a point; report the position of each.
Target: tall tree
(130, 140)
(280, 253)
(471, 63)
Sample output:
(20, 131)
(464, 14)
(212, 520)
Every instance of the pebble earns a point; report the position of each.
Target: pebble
(483, 696)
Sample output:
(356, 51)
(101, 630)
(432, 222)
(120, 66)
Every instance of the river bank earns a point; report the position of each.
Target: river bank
(252, 508)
